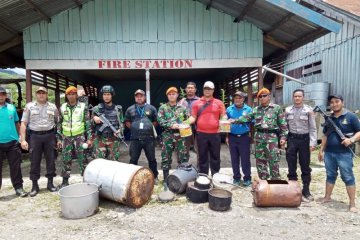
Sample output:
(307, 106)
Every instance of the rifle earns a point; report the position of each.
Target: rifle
(332, 127)
(107, 123)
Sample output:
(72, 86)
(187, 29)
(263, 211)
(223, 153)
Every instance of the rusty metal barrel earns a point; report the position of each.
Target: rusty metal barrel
(125, 183)
(276, 193)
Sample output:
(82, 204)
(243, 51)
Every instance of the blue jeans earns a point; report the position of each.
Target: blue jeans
(343, 162)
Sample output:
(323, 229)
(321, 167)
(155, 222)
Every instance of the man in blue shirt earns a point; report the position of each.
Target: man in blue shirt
(239, 140)
(336, 152)
(9, 145)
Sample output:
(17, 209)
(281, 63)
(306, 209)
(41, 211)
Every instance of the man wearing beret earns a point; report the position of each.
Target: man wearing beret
(270, 124)
(170, 116)
(72, 132)
(141, 119)
(336, 151)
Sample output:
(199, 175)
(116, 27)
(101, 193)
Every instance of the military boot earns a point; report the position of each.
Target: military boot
(35, 189)
(166, 174)
(50, 185)
(306, 195)
(64, 183)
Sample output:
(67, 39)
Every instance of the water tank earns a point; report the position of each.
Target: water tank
(307, 91)
(319, 93)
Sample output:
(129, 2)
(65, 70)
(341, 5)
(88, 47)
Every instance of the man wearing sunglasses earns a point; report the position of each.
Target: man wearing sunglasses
(270, 125)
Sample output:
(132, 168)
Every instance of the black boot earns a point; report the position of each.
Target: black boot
(20, 192)
(64, 183)
(166, 174)
(35, 189)
(50, 185)
(307, 197)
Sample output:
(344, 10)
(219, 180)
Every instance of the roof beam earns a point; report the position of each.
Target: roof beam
(245, 11)
(308, 37)
(8, 28)
(11, 43)
(276, 43)
(307, 14)
(38, 10)
(78, 3)
(279, 23)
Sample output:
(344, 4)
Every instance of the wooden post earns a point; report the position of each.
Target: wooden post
(57, 91)
(44, 79)
(28, 86)
(249, 90)
(260, 77)
(147, 77)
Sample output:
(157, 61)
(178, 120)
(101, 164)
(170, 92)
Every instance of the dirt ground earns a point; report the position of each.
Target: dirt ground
(40, 217)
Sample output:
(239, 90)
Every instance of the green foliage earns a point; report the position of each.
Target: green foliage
(223, 96)
(182, 93)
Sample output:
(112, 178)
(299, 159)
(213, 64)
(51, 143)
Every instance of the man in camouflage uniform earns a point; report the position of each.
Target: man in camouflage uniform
(106, 142)
(170, 115)
(270, 124)
(74, 124)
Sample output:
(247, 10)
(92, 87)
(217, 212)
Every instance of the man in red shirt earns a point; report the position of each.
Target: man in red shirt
(206, 112)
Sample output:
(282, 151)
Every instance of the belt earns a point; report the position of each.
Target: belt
(42, 132)
(239, 135)
(172, 131)
(266, 130)
(295, 135)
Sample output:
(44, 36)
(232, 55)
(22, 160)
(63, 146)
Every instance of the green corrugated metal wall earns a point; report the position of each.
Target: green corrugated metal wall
(142, 29)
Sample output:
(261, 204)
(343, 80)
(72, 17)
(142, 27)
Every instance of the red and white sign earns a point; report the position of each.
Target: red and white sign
(145, 64)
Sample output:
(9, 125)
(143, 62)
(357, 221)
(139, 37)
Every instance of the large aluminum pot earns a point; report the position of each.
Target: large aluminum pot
(177, 181)
(79, 200)
(128, 184)
(276, 193)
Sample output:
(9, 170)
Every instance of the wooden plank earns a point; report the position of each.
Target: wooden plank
(26, 34)
(199, 50)
(214, 23)
(51, 50)
(247, 31)
(121, 50)
(184, 51)
(216, 48)
(241, 31)
(145, 51)
(43, 31)
(191, 21)
(225, 50)
(161, 21)
(11, 43)
(199, 20)
(53, 29)
(208, 50)
(169, 50)
(132, 16)
(307, 14)
(35, 33)
(145, 21)
(112, 21)
(118, 14)
(125, 21)
(153, 50)
(161, 49)
(66, 27)
(59, 50)
(177, 50)
(246, 9)
(227, 27)
(91, 20)
(169, 20)
(152, 19)
(191, 50)
(206, 26)
(184, 21)
(84, 23)
(76, 23)
(233, 46)
(138, 21)
(99, 23)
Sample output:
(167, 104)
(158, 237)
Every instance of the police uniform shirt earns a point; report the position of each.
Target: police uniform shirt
(40, 117)
(301, 121)
(141, 118)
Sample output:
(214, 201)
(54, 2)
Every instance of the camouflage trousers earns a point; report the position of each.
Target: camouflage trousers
(267, 158)
(172, 142)
(107, 148)
(73, 145)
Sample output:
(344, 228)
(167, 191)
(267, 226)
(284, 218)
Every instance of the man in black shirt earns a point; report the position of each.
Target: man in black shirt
(140, 118)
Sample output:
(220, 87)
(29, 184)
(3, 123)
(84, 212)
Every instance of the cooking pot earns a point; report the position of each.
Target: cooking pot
(79, 200)
(202, 181)
(177, 180)
(219, 199)
(195, 194)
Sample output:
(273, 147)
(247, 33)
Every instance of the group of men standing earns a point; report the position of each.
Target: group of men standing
(73, 129)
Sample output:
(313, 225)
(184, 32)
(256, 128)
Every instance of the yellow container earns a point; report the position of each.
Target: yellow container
(224, 126)
(185, 130)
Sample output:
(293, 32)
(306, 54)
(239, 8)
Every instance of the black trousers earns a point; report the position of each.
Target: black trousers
(149, 148)
(39, 144)
(208, 147)
(12, 152)
(299, 146)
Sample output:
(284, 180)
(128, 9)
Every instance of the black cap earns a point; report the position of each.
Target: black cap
(2, 90)
(335, 96)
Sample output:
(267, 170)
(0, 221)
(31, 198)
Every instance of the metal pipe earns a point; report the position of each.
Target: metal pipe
(284, 75)
(147, 76)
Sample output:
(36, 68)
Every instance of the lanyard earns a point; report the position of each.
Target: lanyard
(140, 110)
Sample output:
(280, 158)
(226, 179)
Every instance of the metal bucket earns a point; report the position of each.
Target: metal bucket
(121, 182)
(79, 200)
(177, 181)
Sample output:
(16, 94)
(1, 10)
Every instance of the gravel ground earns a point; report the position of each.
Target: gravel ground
(40, 217)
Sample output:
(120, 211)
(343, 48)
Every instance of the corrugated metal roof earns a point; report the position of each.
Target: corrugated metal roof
(15, 15)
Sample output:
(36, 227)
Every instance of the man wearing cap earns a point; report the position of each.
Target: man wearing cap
(141, 119)
(206, 112)
(40, 117)
(170, 116)
(270, 124)
(187, 102)
(9, 143)
(106, 142)
(239, 140)
(336, 151)
(72, 132)
(301, 140)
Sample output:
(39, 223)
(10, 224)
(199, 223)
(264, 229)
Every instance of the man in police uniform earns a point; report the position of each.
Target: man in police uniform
(73, 126)
(9, 145)
(270, 124)
(40, 117)
(141, 119)
(170, 115)
(106, 142)
(301, 140)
